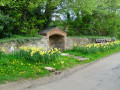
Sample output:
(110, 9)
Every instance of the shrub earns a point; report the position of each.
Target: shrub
(5, 26)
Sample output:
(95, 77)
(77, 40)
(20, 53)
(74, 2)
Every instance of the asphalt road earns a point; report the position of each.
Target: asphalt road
(104, 75)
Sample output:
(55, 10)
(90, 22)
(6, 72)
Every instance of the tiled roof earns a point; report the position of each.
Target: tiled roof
(47, 30)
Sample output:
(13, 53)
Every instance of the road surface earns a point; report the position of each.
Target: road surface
(104, 75)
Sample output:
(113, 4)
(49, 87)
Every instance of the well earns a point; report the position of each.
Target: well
(56, 38)
(57, 41)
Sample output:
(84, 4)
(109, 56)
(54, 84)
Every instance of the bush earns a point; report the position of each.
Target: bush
(5, 26)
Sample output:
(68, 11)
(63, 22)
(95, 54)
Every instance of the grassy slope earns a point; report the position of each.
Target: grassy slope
(15, 68)
(93, 57)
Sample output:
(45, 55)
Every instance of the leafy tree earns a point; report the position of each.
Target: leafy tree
(91, 17)
(81, 17)
(31, 15)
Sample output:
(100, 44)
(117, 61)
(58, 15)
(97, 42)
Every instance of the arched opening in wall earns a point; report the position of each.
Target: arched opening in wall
(57, 41)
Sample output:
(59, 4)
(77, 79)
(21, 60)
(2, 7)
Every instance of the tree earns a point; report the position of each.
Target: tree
(75, 12)
(81, 17)
(31, 15)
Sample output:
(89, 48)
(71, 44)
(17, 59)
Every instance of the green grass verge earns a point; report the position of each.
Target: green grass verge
(16, 68)
(93, 57)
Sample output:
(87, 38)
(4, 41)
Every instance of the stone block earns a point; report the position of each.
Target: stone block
(109, 40)
(64, 54)
(81, 58)
(50, 69)
(100, 40)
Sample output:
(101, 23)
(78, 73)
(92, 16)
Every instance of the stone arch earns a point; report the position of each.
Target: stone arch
(57, 41)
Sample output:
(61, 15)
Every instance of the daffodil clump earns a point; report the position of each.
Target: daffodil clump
(2, 50)
(96, 47)
(41, 50)
(34, 54)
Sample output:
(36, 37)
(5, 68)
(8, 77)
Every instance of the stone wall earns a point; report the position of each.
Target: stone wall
(76, 40)
(12, 45)
(43, 42)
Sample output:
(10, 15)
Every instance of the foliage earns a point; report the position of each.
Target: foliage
(91, 17)
(80, 17)
(5, 26)
(29, 15)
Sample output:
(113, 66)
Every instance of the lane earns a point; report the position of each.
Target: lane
(104, 75)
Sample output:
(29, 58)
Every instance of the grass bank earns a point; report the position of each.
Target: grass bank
(93, 57)
(31, 62)
(95, 51)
